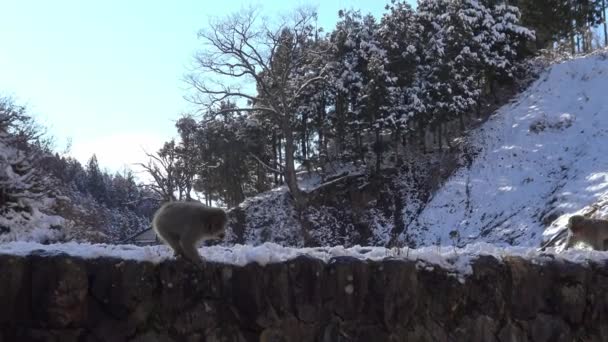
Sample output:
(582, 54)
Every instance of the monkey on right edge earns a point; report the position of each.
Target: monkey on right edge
(593, 232)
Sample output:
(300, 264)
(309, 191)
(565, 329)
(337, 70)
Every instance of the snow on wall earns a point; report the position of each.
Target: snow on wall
(456, 260)
(543, 155)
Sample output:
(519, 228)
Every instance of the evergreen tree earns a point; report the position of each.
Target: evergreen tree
(96, 182)
(400, 35)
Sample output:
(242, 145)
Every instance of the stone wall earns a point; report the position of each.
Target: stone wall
(62, 298)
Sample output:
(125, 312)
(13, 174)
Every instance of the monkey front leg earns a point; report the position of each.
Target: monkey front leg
(173, 241)
(177, 247)
(570, 242)
(191, 253)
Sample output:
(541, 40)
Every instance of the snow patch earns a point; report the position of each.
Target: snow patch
(543, 159)
(457, 261)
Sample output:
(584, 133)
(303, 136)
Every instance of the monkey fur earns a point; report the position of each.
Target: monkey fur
(182, 225)
(593, 232)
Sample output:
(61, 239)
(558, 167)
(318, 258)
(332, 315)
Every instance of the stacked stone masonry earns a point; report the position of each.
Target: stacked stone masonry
(64, 298)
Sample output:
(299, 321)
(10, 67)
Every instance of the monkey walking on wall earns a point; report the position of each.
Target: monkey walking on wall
(593, 232)
(182, 225)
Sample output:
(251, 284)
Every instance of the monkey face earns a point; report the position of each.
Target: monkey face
(217, 228)
(217, 231)
(575, 223)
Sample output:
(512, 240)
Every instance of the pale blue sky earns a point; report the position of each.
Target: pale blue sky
(108, 74)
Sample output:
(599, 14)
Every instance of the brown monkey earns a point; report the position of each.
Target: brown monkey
(593, 232)
(182, 224)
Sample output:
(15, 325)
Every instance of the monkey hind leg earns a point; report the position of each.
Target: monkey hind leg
(188, 244)
(173, 241)
(570, 242)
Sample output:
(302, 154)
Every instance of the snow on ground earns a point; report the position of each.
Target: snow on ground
(270, 217)
(455, 260)
(543, 156)
(33, 226)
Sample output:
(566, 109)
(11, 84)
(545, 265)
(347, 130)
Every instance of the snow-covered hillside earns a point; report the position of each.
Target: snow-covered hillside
(535, 162)
(542, 157)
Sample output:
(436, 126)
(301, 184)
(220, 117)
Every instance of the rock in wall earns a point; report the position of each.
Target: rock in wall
(63, 298)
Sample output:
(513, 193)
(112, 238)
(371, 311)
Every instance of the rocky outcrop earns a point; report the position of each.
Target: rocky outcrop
(63, 298)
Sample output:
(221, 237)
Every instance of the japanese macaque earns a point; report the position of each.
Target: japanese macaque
(183, 224)
(593, 232)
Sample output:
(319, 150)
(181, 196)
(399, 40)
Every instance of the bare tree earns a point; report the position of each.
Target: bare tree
(166, 174)
(247, 62)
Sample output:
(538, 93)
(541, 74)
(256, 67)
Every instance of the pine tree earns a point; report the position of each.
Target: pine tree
(447, 73)
(400, 35)
(96, 184)
(506, 35)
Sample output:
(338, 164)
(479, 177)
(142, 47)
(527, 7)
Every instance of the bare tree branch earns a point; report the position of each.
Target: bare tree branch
(281, 167)
(240, 49)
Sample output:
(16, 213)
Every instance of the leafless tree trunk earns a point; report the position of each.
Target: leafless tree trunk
(280, 155)
(605, 24)
(341, 124)
(240, 51)
(304, 135)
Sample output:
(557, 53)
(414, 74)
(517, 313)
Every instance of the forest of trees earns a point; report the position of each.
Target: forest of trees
(577, 25)
(273, 99)
(41, 190)
(280, 96)
(115, 204)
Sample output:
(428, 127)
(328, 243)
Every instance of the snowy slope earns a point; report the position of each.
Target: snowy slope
(544, 156)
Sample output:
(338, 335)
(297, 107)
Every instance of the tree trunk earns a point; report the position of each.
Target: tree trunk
(446, 134)
(279, 143)
(259, 179)
(605, 24)
(378, 151)
(359, 141)
(275, 157)
(421, 130)
(461, 121)
(304, 135)
(188, 191)
(573, 41)
(322, 136)
(438, 132)
(240, 195)
(290, 170)
(398, 160)
(340, 129)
